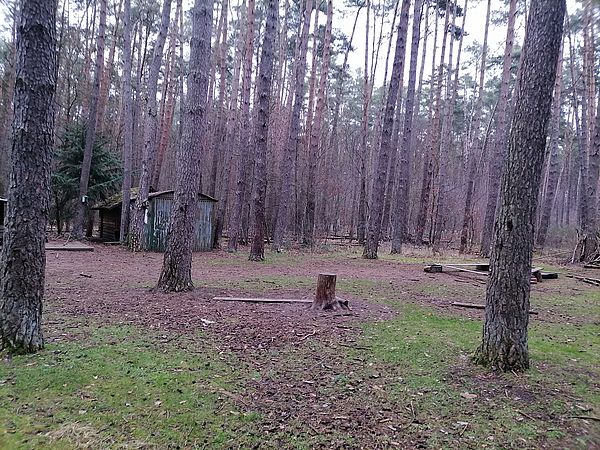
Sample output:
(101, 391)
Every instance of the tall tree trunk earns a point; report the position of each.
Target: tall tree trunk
(446, 143)
(553, 164)
(105, 80)
(432, 158)
(590, 241)
(500, 138)
(23, 258)
(127, 124)
(169, 102)
(334, 140)
(378, 192)
(242, 147)
(315, 134)
(265, 72)
(293, 142)
(401, 206)
(504, 344)
(231, 140)
(149, 134)
(90, 134)
(176, 274)
(361, 223)
(476, 147)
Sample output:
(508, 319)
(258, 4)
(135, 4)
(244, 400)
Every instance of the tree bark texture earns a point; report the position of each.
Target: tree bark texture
(378, 191)
(504, 344)
(23, 259)
(176, 272)
(265, 72)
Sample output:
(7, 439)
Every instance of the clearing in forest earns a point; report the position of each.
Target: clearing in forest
(127, 368)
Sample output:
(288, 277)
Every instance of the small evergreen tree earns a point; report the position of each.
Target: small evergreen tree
(105, 174)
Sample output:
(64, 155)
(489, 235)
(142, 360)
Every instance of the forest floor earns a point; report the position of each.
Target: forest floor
(128, 368)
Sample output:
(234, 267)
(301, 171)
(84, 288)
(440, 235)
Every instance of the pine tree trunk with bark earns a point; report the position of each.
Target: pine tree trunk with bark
(23, 259)
(378, 192)
(554, 161)
(475, 149)
(504, 344)
(176, 275)
(361, 223)
(127, 124)
(500, 138)
(242, 147)
(315, 134)
(265, 72)
(293, 143)
(401, 206)
(149, 134)
(90, 134)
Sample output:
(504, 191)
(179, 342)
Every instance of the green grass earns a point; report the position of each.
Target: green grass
(120, 388)
(429, 355)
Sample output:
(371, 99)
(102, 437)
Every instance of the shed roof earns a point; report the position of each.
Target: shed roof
(3, 200)
(116, 200)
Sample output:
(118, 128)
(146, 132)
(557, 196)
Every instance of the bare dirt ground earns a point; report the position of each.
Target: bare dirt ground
(298, 352)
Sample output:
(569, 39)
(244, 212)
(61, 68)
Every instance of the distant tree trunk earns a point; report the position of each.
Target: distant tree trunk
(105, 80)
(315, 134)
(361, 224)
(504, 345)
(170, 90)
(149, 136)
(433, 156)
(500, 138)
(293, 142)
(127, 124)
(553, 164)
(242, 147)
(90, 134)
(401, 207)
(378, 192)
(332, 155)
(446, 142)
(221, 64)
(23, 259)
(230, 141)
(476, 144)
(590, 239)
(265, 72)
(176, 272)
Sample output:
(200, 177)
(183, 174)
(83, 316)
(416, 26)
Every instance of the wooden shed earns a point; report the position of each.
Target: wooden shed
(3, 205)
(157, 219)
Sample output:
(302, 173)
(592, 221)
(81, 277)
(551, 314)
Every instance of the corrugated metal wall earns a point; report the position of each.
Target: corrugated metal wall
(159, 214)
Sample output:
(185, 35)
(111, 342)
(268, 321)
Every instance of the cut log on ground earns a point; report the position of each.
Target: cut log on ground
(69, 248)
(478, 306)
(325, 299)
(588, 280)
(262, 300)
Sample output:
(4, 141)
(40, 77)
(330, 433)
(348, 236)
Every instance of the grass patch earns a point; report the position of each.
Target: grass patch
(119, 388)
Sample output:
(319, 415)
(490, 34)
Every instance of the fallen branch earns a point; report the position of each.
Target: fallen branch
(478, 306)
(597, 419)
(261, 300)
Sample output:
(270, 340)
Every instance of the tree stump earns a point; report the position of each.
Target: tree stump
(325, 299)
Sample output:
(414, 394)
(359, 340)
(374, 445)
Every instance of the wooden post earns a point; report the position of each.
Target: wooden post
(325, 298)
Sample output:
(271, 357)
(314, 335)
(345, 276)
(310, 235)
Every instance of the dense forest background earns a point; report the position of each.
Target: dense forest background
(385, 120)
